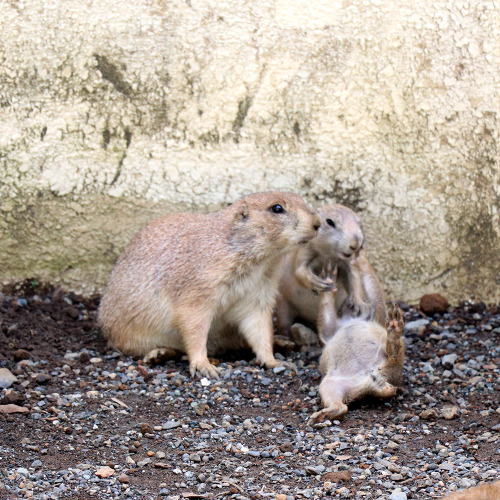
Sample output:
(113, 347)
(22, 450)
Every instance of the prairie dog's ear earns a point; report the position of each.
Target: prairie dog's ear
(242, 212)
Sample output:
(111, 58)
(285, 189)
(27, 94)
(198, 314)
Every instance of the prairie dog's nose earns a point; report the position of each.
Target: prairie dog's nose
(357, 242)
(316, 222)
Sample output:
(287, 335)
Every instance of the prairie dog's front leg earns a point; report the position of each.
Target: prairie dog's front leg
(305, 275)
(257, 328)
(327, 315)
(355, 304)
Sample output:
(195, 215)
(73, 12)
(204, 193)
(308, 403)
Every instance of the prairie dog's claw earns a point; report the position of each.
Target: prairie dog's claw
(205, 369)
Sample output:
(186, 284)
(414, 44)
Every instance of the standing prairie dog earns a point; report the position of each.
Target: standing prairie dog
(483, 492)
(203, 283)
(339, 244)
(360, 358)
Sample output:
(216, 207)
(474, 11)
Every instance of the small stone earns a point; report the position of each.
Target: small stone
(7, 378)
(205, 382)
(145, 428)
(280, 496)
(105, 472)
(314, 470)
(430, 414)
(446, 466)
(21, 354)
(84, 357)
(199, 408)
(286, 446)
(22, 471)
(43, 378)
(449, 412)
(13, 397)
(302, 335)
(433, 303)
(342, 476)
(95, 360)
(144, 462)
(475, 380)
(171, 424)
(449, 359)
(10, 408)
(414, 326)
(123, 478)
(397, 494)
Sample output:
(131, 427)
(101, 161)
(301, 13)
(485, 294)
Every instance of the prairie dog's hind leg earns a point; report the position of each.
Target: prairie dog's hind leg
(160, 355)
(332, 392)
(285, 314)
(394, 326)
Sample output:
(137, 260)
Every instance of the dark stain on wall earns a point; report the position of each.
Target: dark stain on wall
(243, 107)
(110, 72)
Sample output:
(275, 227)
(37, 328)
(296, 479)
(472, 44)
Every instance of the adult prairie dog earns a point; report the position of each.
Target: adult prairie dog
(339, 244)
(360, 357)
(203, 283)
(483, 492)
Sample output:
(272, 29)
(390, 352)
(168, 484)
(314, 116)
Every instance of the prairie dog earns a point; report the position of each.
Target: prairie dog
(484, 492)
(203, 283)
(360, 357)
(339, 243)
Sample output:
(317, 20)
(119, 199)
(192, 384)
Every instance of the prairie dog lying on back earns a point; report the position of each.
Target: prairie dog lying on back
(203, 283)
(483, 492)
(360, 358)
(339, 244)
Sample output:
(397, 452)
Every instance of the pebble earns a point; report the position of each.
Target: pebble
(449, 359)
(398, 495)
(449, 412)
(104, 472)
(416, 325)
(168, 435)
(7, 378)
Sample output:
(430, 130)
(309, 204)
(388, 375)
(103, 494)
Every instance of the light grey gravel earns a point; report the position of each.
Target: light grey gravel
(245, 436)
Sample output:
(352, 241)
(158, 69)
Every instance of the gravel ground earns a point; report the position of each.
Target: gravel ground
(92, 423)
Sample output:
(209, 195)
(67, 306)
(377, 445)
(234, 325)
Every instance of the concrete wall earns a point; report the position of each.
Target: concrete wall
(113, 112)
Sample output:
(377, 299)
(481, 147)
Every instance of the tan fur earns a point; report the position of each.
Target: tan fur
(483, 492)
(361, 358)
(359, 291)
(203, 283)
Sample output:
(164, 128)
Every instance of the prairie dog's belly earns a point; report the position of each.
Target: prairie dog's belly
(253, 294)
(357, 348)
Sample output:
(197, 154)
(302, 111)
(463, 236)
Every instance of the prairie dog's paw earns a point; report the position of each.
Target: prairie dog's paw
(356, 309)
(395, 319)
(326, 281)
(319, 284)
(159, 356)
(388, 391)
(334, 411)
(286, 364)
(204, 368)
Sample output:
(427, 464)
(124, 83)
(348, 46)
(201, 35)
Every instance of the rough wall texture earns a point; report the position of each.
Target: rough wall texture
(113, 112)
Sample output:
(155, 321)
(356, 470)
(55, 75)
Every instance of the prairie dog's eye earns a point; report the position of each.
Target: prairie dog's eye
(277, 209)
(330, 222)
